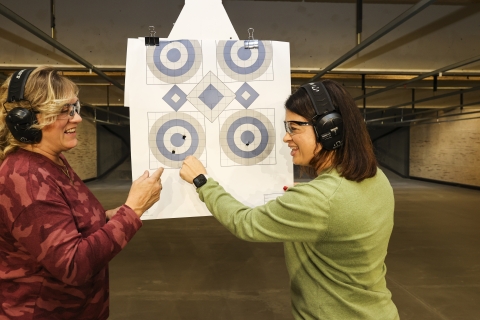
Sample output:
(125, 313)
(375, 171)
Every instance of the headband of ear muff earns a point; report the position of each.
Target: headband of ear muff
(19, 119)
(16, 88)
(327, 122)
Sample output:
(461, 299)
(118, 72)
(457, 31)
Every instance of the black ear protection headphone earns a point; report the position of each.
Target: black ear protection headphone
(327, 123)
(19, 119)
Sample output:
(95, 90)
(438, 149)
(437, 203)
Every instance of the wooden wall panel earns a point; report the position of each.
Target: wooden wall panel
(448, 151)
(83, 158)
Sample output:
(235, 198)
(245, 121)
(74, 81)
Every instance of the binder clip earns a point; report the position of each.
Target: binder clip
(251, 43)
(152, 40)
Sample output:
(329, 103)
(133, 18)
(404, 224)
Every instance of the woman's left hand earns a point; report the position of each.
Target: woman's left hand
(191, 168)
(110, 213)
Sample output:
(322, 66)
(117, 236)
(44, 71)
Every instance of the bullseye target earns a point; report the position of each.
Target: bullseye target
(174, 62)
(243, 64)
(247, 137)
(174, 136)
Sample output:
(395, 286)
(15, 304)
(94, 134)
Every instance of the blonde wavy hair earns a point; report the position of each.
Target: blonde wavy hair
(46, 91)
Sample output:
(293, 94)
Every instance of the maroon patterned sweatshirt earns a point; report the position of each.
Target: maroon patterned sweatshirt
(54, 242)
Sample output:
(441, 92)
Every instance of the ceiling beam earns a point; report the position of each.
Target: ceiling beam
(422, 76)
(377, 35)
(386, 77)
(42, 35)
(445, 95)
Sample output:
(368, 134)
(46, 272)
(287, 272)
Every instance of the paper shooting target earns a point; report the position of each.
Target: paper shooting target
(247, 137)
(174, 136)
(243, 64)
(174, 62)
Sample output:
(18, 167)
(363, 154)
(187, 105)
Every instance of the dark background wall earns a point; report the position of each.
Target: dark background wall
(113, 147)
(392, 148)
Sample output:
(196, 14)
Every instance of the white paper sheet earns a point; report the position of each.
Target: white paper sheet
(218, 101)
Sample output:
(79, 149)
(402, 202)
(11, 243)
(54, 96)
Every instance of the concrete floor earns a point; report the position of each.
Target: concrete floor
(194, 269)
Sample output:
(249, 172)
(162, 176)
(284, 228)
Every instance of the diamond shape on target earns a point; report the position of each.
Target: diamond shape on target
(246, 95)
(211, 96)
(175, 98)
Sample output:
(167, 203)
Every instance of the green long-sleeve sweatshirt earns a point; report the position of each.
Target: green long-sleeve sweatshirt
(335, 233)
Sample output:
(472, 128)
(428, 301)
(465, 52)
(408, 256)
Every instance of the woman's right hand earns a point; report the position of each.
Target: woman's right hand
(145, 191)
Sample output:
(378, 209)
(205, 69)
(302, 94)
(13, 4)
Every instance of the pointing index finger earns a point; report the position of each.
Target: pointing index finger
(156, 175)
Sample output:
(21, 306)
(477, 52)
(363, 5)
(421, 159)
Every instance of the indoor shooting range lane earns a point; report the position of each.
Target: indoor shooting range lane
(194, 268)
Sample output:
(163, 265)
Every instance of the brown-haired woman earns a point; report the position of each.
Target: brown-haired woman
(336, 227)
(55, 243)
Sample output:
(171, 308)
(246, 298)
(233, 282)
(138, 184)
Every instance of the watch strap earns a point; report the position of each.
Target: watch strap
(200, 180)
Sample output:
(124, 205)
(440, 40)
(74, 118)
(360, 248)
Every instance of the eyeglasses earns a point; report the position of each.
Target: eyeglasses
(69, 110)
(291, 126)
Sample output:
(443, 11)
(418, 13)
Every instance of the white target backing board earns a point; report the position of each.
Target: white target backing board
(229, 114)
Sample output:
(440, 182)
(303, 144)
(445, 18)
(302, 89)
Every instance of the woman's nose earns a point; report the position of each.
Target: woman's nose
(76, 118)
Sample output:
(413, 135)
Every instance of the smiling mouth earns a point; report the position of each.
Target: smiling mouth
(73, 130)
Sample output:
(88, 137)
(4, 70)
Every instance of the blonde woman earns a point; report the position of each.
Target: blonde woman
(55, 241)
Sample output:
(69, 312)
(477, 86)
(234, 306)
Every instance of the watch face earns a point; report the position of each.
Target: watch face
(200, 180)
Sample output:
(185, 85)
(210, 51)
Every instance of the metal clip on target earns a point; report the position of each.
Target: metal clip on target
(152, 40)
(251, 43)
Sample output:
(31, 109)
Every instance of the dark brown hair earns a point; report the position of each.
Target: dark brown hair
(355, 160)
